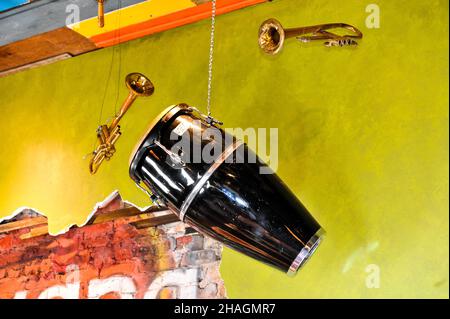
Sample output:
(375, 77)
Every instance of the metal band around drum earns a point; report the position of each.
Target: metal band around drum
(306, 252)
(225, 154)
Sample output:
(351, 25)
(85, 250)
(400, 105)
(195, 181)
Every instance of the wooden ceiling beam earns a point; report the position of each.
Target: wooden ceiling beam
(39, 48)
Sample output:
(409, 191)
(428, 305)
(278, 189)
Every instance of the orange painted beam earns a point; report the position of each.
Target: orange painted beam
(169, 21)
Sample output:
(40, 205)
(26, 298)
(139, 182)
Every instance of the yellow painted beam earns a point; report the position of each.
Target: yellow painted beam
(131, 15)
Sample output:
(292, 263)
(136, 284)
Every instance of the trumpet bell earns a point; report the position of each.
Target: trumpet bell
(139, 84)
(271, 36)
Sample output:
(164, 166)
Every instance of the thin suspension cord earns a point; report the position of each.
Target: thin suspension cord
(120, 55)
(104, 98)
(106, 86)
(111, 64)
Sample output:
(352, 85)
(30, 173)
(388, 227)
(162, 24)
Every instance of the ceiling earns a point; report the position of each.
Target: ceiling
(8, 4)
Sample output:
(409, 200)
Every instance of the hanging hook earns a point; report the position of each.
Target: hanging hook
(101, 13)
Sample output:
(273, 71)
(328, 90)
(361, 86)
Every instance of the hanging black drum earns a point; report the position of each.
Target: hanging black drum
(213, 182)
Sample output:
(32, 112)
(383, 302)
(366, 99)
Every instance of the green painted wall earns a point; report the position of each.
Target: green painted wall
(363, 136)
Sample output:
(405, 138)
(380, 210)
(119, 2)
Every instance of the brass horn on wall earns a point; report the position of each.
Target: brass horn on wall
(272, 35)
(107, 135)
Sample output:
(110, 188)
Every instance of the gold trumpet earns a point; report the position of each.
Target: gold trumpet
(272, 35)
(139, 85)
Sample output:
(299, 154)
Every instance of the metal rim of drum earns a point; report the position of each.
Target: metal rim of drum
(150, 127)
(306, 252)
(193, 194)
(163, 116)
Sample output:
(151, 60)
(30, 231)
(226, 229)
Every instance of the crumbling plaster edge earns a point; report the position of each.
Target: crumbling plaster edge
(97, 206)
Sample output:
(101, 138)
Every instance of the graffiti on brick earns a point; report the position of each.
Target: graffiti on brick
(174, 283)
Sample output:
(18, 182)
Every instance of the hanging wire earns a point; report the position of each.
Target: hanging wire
(111, 64)
(119, 48)
(106, 86)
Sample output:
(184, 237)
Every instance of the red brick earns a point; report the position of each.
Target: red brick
(6, 243)
(101, 251)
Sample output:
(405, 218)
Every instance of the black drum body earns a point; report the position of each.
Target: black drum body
(213, 182)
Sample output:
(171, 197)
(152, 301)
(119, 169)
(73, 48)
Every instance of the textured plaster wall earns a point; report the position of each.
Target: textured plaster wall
(363, 136)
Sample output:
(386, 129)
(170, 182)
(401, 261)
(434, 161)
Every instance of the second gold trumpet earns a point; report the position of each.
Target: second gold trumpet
(272, 35)
(107, 135)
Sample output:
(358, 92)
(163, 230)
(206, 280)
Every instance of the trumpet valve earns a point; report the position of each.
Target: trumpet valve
(102, 134)
(114, 137)
(341, 41)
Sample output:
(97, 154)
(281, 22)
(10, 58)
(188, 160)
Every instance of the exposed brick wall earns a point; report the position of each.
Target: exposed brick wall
(117, 258)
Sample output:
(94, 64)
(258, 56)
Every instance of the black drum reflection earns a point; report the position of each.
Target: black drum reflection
(226, 198)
